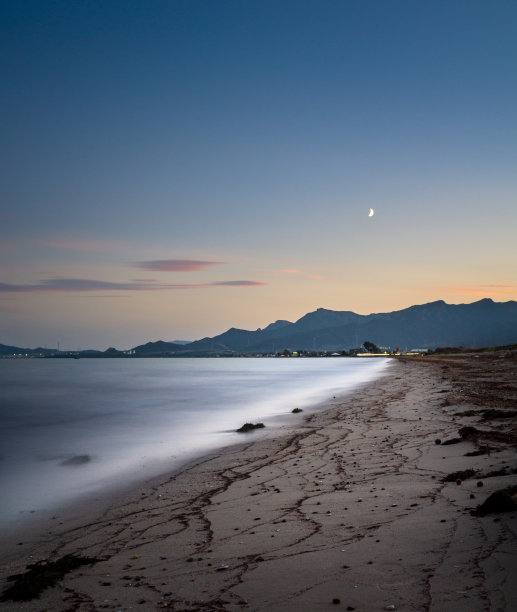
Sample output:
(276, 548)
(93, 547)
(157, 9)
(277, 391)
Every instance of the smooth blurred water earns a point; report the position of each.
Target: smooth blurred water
(69, 427)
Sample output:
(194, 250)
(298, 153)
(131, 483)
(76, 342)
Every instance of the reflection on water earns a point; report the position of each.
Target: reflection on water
(68, 427)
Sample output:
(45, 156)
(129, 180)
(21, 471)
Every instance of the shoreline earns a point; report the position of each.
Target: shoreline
(118, 448)
(349, 505)
(158, 470)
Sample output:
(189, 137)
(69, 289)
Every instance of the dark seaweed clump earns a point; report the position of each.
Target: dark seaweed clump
(296, 410)
(250, 427)
(469, 433)
(466, 474)
(505, 471)
(42, 575)
(503, 500)
(494, 413)
(462, 475)
(488, 414)
(452, 441)
(478, 452)
(467, 413)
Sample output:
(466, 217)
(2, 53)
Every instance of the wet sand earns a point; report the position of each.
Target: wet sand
(345, 509)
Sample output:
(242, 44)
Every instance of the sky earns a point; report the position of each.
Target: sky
(171, 169)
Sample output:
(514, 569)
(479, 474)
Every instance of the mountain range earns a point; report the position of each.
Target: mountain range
(432, 325)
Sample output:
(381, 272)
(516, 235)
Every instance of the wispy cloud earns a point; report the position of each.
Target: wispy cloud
(176, 265)
(144, 280)
(73, 285)
(236, 283)
(483, 290)
(70, 284)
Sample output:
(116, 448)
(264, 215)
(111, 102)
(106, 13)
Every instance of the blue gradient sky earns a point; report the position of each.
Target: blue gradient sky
(252, 137)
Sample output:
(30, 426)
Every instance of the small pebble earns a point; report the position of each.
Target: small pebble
(336, 600)
(479, 483)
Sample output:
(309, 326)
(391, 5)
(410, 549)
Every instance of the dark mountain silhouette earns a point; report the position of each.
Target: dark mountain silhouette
(483, 323)
(276, 325)
(158, 348)
(436, 324)
(16, 350)
(323, 318)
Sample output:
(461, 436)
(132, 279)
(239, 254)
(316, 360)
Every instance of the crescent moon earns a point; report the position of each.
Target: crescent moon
(371, 213)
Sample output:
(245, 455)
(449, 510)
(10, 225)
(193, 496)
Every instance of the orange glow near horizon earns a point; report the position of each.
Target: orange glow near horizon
(508, 291)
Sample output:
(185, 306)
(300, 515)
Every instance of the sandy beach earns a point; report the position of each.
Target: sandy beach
(347, 508)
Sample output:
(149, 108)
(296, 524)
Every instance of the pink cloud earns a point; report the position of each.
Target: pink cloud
(176, 265)
(144, 280)
(74, 285)
(290, 271)
(238, 283)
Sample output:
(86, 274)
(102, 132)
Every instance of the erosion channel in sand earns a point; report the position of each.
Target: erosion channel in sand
(351, 508)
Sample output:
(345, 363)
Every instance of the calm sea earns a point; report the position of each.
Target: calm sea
(70, 427)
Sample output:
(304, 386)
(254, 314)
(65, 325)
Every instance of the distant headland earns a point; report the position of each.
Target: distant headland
(421, 328)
